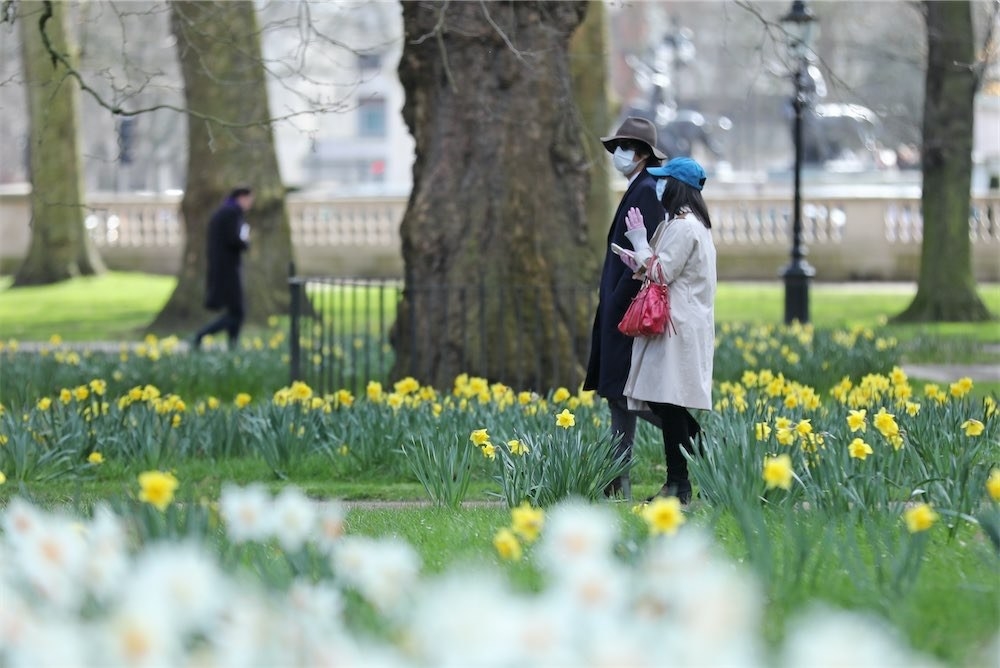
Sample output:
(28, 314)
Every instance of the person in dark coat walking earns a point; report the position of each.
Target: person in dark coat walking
(634, 149)
(228, 239)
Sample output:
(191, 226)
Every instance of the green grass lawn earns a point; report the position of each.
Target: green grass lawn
(117, 306)
(112, 307)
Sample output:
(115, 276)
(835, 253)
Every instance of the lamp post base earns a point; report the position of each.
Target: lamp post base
(797, 276)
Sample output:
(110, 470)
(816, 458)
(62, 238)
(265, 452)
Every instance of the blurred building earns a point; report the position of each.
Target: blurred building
(362, 146)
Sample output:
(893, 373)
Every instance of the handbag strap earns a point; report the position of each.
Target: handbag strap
(650, 263)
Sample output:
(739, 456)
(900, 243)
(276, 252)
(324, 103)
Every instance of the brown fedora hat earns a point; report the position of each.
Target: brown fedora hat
(638, 129)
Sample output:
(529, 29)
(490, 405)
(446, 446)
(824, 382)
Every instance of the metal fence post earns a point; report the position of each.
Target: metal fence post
(294, 336)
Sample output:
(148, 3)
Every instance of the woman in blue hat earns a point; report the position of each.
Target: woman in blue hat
(672, 373)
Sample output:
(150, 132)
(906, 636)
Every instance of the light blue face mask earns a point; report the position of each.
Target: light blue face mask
(661, 185)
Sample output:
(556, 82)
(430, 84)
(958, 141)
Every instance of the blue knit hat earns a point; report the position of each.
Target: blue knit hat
(684, 170)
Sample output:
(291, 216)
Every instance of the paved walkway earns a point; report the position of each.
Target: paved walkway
(949, 373)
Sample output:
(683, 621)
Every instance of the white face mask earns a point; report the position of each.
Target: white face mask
(661, 185)
(625, 161)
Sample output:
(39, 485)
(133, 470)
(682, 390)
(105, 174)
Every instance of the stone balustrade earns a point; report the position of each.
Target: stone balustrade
(848, 236)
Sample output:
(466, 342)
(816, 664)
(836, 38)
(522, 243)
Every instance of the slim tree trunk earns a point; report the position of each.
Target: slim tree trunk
(60, 247)
(588, 65)
(946, 288)
(497, 254)
(218, 44)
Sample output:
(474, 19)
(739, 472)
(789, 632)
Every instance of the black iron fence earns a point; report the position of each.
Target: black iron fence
(346, 332)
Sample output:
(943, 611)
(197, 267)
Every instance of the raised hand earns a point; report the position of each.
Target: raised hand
(633, 219)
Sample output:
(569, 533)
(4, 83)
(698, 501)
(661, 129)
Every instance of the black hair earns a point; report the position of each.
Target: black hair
(679, 198)
(240, 192)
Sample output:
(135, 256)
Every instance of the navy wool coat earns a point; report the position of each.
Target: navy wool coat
(224, 280)
(610, 350)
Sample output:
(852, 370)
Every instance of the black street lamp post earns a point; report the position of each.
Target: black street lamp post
(798, 25)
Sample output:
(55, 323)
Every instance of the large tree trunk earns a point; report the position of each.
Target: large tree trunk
(218, 44)
(946, 288)
(60, 247)
(589, 70)
(497, 254)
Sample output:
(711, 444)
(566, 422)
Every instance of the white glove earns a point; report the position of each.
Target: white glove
(244, 232)
(640, 243)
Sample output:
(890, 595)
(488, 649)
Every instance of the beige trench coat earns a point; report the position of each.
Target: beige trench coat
(676, 368)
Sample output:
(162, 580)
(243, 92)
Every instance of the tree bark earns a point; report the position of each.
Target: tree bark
(588, 66)
(498, 259)
(946, 287)
(218, 45)
(60, 247)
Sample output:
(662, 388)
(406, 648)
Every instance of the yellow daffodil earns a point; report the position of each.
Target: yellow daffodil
(859, 449)
(991, 406)
(778, 472)
(374, 391)
(896, 441)
(912, 408)
(479, 437)
(65, 395)
(804, 428)
(157, 488)
(920, 517)
(762, 431)
(344, 398)
(507, 545)
(517, 447)
(242, 400)
(44, 403)
(300, 391)
(489, 450)
(560, 395)
(663, 515)
(3, 478)
(961, 387)
(95, 458)
(782, 423)
(527, 521)
(858, 421)
(885, 423)
(993, 485)
(407, 385)
(786, 436)
(565, 419)
(973, 427)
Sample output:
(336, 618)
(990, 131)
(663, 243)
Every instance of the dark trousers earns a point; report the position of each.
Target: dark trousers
(680, 430)
(231, 321)
(623, 422)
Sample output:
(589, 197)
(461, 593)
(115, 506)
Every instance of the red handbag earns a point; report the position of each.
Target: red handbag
(649, 312)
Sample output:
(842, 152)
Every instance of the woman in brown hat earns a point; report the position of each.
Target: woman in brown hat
(633, 149)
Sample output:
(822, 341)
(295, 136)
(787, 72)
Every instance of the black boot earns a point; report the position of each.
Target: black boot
(681, 489)
(619, 487)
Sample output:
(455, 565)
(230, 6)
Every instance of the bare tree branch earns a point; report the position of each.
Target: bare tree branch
(503, 35)
(117, 109)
